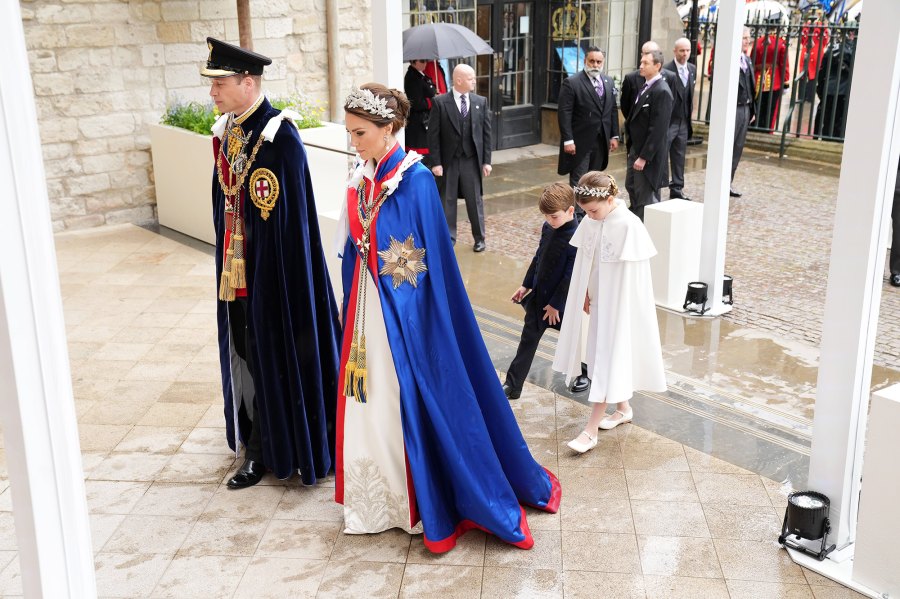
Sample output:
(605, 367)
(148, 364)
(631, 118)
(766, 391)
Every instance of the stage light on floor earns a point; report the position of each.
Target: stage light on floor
(696, 297)
(806, 517)
(726, 290)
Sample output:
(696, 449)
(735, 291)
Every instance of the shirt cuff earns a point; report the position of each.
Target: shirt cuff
(568, 141)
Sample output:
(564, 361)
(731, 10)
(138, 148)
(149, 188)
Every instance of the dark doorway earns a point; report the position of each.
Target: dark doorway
(509, 77)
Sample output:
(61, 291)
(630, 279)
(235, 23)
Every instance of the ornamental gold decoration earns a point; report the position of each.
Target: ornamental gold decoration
(403, 261)
(264, 191)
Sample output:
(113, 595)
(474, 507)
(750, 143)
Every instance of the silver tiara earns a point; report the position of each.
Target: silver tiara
(365, 99)
(596, 192)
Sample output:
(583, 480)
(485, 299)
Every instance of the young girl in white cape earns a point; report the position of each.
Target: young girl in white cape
(611, 280)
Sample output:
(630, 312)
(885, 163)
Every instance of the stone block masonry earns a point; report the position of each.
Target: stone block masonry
(102, 71)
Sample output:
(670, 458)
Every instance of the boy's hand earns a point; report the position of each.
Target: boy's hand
(519, 294)
(551, 315)
(587, 304)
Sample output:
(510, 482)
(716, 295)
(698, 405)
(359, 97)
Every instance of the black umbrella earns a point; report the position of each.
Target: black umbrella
(442, 40)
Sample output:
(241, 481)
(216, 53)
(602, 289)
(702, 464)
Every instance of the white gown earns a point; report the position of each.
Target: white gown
(623, 349)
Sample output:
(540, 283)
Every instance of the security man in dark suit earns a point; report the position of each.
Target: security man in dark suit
(681, 82)
(746, 106)
(459, 144)
(588, 123)
(647, 129)
(894, 260)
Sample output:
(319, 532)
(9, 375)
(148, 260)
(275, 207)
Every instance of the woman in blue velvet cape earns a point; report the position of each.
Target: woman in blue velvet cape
(466, 462)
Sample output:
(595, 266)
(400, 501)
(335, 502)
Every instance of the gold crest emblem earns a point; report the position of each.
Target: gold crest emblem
(264, 191)
(403, 261)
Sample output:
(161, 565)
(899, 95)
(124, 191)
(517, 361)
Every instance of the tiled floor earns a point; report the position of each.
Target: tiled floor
(641, 516)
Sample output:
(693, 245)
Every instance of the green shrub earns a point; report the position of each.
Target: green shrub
(199, 118)
(192, 116)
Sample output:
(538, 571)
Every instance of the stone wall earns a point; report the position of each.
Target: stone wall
(105, 69)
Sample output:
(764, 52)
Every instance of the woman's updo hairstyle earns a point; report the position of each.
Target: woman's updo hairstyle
(595, 186)
(394, 99)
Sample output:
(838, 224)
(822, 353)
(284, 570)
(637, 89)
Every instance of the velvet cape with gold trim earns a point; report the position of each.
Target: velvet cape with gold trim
(292, 316)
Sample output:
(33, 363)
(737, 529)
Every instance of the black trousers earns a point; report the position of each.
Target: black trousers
(741, 123)
(641, 190)
(532, 331)
(462, 178)
(767, 115)
(237, 317)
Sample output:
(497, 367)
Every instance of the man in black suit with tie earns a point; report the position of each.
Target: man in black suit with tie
(647, 128)
(459, 144)
(633, 82)
(588, 123)
(684, 74)
(746, 105)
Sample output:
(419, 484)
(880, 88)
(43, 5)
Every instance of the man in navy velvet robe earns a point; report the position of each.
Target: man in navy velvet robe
(278, 326)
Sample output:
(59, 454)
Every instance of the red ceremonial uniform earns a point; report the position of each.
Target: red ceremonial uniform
(770, 63)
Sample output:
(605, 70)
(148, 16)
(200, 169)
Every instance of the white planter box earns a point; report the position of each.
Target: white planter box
(183, 170)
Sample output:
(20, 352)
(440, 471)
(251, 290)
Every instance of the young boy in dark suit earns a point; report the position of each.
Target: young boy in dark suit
(543, 292)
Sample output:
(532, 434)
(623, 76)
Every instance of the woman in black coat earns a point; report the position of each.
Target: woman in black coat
(419, 88)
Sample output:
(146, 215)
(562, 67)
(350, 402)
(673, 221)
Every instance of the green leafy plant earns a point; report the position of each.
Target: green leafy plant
(192, 116)
(199, 118)
(310, 112)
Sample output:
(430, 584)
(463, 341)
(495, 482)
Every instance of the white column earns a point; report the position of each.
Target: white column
(387, 43)
(721, 143)
(36, 406)
(868, 172)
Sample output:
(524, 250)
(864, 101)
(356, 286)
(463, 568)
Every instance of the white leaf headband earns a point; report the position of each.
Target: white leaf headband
(365, 99)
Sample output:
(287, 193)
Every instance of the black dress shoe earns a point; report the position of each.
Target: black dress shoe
(734, 194)
(510, 392)
(581, 383)
(249, 474)
(479, 246)
(677, 195)
(894, 280)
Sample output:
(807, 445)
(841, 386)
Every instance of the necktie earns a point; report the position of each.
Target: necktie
(743, 63)
(598, 87)
(684, 76)
(640, 93)
(463, 107)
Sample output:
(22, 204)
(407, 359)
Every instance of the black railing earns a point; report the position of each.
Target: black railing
(803, 75)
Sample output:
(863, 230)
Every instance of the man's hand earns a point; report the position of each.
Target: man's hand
(752, 119)
(551, 315)
(486, 169)
(639, 164)
(438, 170)
(519, 294)
(569, 148)
(613, 145)
(587, 303)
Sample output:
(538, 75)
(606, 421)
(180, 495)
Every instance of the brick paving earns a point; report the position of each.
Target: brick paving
(778, 247)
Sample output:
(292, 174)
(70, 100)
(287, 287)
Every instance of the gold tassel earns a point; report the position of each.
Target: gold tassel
(350, 371)
(238, 266)
(238, 273)
(361, 374)
(226, 291)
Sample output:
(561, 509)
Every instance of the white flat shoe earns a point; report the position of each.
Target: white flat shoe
(611, 422)
(580, 446)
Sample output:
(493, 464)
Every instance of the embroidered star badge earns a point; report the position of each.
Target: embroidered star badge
(403, 261)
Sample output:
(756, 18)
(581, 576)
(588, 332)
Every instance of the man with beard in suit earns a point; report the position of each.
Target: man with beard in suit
(588, 123)
(647, 129)
(680, 130)
(459, 144)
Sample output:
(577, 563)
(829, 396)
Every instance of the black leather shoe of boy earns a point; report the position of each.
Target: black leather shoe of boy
(581, 383)
(251, 472)
(510, 392)
(894, 280)
(479, 246)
